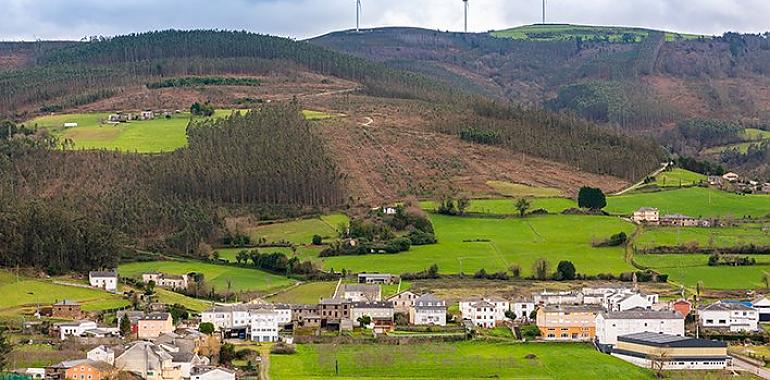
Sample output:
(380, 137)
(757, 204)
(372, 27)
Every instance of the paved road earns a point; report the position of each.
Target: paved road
(750, 367)
(640, 183)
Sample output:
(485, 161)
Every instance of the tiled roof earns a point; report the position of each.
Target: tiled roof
(637, 313)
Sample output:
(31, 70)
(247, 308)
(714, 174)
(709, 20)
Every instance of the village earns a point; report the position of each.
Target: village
(153, 342)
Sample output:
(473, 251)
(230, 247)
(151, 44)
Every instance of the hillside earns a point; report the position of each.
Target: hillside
(648, 83)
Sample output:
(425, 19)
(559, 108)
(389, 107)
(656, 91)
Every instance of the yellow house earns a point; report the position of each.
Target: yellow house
(671, 352)
(562, 322)
(154, 324)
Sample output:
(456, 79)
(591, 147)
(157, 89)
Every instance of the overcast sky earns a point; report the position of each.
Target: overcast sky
(74, 19)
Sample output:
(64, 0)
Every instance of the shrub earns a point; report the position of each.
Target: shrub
(317, 240)
(529, 331)
(422, 238)
(282, 348)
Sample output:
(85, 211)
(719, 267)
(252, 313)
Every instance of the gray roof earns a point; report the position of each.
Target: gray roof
(666, 340)
(423, 300)
(182, 357)
(102, 274)
(376, 275)
(361, 288)
(334, 301)
(726, 306)
(637, 313)
(574, 308)
(67, 303)
(373, 305)
(155, 317)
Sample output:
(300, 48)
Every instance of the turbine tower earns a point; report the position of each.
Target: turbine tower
(358, 15)
(466, 15)
(543, 11)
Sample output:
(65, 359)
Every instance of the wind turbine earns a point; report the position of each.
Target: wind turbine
(358, 15)
(543, 11)
(466, 15)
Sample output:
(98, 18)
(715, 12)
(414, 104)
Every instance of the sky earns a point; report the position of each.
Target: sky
(75, 19)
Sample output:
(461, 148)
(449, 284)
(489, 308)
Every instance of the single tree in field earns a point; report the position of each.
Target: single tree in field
(364, 320)
(515, 270)
(565, 271)
(522, 205)
(540, 269)
(462, 204)
(766, 279)
(591, 198)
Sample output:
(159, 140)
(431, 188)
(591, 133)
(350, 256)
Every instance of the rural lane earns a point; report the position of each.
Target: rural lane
(750, 367)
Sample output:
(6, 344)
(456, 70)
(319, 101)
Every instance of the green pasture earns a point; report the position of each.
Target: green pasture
(142, 136)
(469, 244)
(740, 235)
(170, 298)
(688, 269)
(27, 293)
(509, 189)
(678, 177)
(754, 134)
(461, 360)
(562, 32)
(300, 231)
(695, 201)
(307, 293)
(507, 206)
(242, 279)
(740, 147)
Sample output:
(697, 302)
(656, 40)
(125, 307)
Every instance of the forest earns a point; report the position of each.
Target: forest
(72, 209)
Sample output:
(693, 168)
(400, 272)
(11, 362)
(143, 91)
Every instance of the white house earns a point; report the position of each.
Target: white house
(166, 280)
(263, 325)
(102, 354)
(523, 309)
(558, 298)
(211, 373)
(610, 325)
(379, 312)
(428, 310)
(626, 301)
(107, 280)
(731, 177)
(762, 304)
(484, 312)
(70, 125)
(283, 313)
(648, 215)
(361, 292)
(731, 316)
(77, 328)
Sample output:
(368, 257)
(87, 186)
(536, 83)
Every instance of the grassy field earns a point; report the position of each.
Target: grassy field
(308, 293)
(696, 202)
(142, 136)
(463, 360)
(678, 177)
(509, 189)
(469, 244)
(706, 237)
(299, 231)
(26, 293)
(561, 32)
(688, 269)
(242, 279)
(506, 206)
(171, 298)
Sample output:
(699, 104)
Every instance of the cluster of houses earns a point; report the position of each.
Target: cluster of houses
(352, 305)
(651, 216)
(739, 184)
(124, 117)
(169, 356)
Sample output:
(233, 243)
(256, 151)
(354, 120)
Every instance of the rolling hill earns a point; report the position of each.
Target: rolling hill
(634, 80)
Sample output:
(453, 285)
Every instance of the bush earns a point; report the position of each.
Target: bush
(282, 348)
(591, 198)
(529, 331)
(422, 238)
(317, 240)
(565, 271)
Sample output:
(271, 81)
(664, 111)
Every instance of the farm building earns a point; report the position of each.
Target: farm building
(610, 325)
(377, 278)
(70, 125)
(731, 177)
(146, 115)
(107, 280)
(646, 215)
(679, 220)
(66, 310)
(671, 352)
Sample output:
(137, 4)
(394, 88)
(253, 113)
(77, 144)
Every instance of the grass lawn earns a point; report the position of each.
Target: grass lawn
(510, 241)
(142, 136)
(695, 201)
(170, 298)
(299, 231)
(688, 269)
(561, 32)
(678, 177)
(706, 237)
(509, 189)
(308, 293)
(243, 279)
(30, 292)
(462, 360)
(506, 206)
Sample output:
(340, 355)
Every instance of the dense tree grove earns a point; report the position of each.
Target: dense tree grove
(591, 198)
(72, 210)
(557, 137)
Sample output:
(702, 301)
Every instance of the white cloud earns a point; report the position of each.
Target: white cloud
(73, 19)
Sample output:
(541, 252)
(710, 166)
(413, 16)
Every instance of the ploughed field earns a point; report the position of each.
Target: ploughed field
(461, 360)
